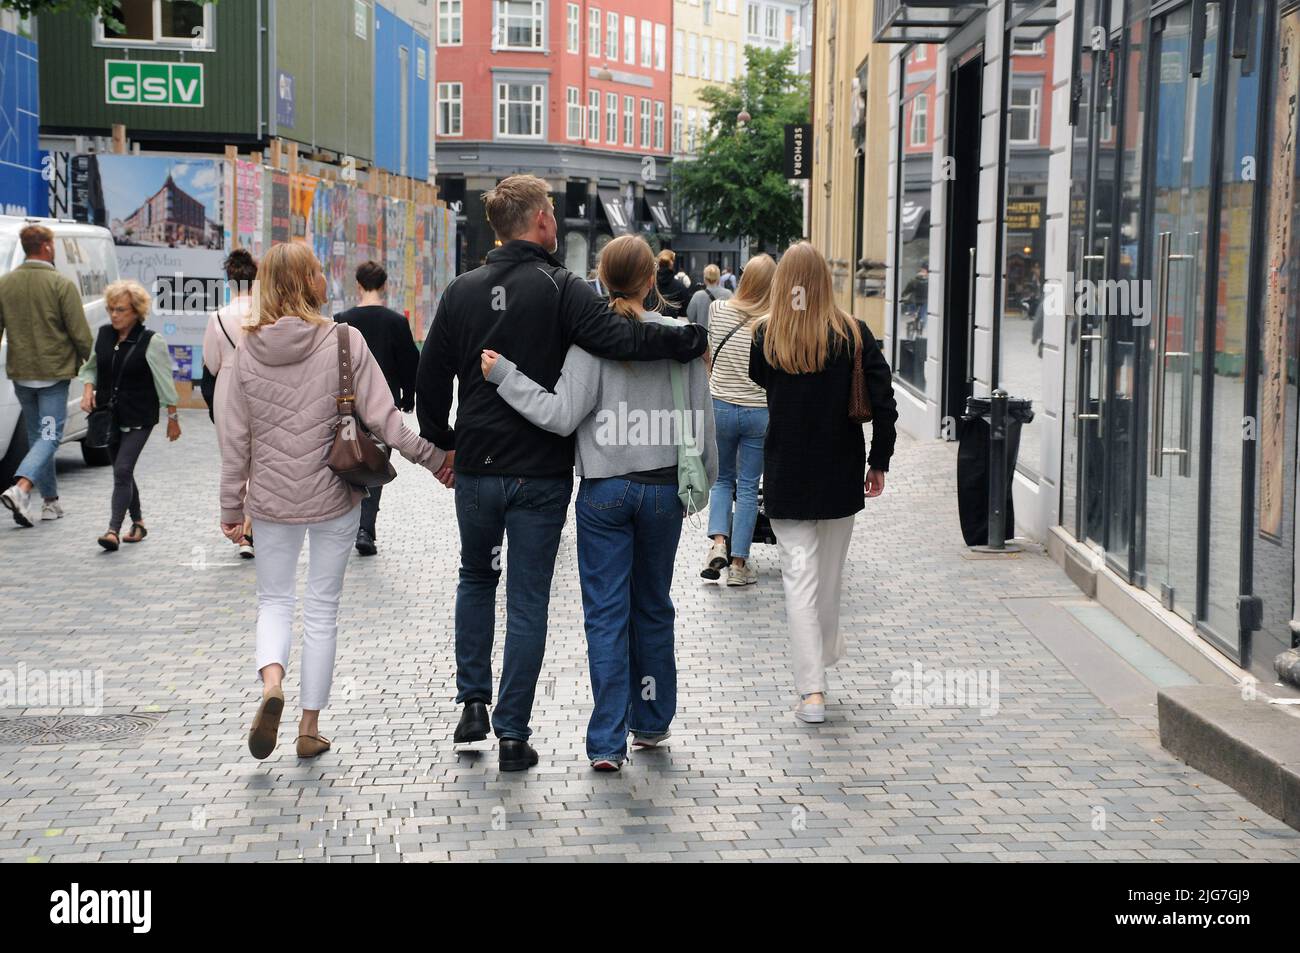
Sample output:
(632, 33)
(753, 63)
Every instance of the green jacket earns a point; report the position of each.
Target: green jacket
(42, 321)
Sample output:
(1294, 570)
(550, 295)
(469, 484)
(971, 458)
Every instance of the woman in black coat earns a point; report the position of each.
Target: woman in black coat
(670, 289)
(815, 456)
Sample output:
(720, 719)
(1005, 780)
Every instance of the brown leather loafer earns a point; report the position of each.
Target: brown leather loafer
(261, 739)
(309, 746)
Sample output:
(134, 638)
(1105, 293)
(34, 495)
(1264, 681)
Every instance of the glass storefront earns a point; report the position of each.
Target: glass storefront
(1180, 401)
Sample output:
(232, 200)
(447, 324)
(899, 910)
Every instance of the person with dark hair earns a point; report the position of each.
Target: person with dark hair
(388, 335)
(42, 321)
(224, 331)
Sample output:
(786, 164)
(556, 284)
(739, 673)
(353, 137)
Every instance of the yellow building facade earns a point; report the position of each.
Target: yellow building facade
(850, 176)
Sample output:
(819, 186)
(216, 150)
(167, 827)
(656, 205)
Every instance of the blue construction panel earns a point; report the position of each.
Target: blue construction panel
(391, 35)
(22, 191)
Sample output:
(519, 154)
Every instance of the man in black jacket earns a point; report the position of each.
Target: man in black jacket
(513, 479)
(388, 335)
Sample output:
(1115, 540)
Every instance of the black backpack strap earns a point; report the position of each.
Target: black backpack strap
(220, 324)
(713, 362)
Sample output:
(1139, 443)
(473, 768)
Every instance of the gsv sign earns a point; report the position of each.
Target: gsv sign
(137, 83)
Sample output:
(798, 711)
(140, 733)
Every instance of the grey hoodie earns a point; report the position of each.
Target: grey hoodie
(623, 412)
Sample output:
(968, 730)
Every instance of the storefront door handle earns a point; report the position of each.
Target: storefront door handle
(1156, 439)
(970, 316)
(1165, 259)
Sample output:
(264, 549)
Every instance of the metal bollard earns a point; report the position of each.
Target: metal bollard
(998, 470)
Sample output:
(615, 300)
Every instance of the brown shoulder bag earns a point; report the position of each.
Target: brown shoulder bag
(356, 456)
(859, 402)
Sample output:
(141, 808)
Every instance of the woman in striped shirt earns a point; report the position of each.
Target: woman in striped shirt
(740, 415)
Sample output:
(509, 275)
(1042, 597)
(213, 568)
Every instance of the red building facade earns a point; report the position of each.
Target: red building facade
(576, 91)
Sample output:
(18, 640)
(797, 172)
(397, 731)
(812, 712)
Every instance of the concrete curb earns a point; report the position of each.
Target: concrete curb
(1251, 746)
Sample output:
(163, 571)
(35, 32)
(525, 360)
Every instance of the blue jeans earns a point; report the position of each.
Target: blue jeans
(530, 513)
(740, 435)
(45, 411)
(627, 543)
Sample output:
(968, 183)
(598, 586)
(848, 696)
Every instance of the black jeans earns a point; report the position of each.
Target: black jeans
(124, 450)
(370, 510)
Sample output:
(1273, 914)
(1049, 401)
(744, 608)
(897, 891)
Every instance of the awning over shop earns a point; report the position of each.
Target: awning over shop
(922, 21)
(914, 216)
(612, 204)
(659, 213)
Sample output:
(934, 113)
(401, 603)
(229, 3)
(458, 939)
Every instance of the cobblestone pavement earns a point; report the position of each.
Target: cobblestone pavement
(1052, 774)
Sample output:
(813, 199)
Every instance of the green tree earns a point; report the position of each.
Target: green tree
(737, 185)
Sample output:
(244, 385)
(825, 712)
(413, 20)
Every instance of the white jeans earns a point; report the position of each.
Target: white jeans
(278, 547)
(812, 570)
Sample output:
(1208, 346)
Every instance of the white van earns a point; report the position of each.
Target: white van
(85, 253)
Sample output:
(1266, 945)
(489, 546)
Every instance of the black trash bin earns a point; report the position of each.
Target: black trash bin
(973, 464)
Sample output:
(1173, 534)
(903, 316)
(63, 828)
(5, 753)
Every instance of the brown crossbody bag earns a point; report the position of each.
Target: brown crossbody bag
(356, 456)
(859, 401)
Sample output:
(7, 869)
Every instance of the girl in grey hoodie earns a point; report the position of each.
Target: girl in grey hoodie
(275, 424)
(629, 515)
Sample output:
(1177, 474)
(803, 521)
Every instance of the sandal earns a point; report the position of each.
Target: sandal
(309, 746)
(137, 534)
(110, 541)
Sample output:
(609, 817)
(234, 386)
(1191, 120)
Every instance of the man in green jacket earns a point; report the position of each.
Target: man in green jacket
(42, 319)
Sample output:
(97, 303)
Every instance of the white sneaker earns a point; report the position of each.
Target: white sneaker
(813, 714)
(51, 510)
(715, 562)
(650, 741)
(19, 503)
(745, 575)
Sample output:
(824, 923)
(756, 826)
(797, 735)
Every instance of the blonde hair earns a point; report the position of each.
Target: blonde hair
(133, 291)
(755, 290)
(711, 274)
(513, 203)
(803, 309)
(626, 265)
(286, 287)
(667, 258)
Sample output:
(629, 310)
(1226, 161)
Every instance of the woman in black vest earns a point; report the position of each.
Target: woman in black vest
(130, 371)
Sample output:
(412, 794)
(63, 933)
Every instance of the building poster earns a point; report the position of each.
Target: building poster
(1282, 246)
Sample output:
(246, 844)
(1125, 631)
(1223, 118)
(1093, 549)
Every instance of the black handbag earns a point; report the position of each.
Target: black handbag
(208, 383)
(102, 421)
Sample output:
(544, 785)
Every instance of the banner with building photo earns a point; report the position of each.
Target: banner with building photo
(1282, 234)
(168, 219)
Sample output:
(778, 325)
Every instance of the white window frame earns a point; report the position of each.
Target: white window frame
(645, 123)
(921, 111)
(719, 61)
(679, 128)
(501, 25)
(706, 12)
(661, 47)
(451, 15)
(574, 114)
(659, 126)
(771, 24)
(692, 55)
(452, 96)
(629, 121)
(706, 58)
(692, 121)
(593, 115)
(629, 40)
(503, 103)
(753, 20)
(160, 42)
(611, 36)
(731, 60)
(573, 18)
(611, 118)
(679, 52)
(593, 32)
(647, 45)
(1035, 109)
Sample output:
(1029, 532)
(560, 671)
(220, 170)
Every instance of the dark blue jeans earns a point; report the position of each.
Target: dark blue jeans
(627, 543)
(529, 512)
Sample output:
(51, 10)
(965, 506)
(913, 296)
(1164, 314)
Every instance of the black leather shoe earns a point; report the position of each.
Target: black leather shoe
(473, 725)
(366, 543)
(517, 755)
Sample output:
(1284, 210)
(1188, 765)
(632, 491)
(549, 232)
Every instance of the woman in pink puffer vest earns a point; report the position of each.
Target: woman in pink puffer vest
(275, 426)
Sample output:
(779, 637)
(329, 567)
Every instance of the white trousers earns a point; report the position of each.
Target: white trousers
(812, 570)
(278, 547)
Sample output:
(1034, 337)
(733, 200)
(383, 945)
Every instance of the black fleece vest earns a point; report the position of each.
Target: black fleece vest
(135, 400)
